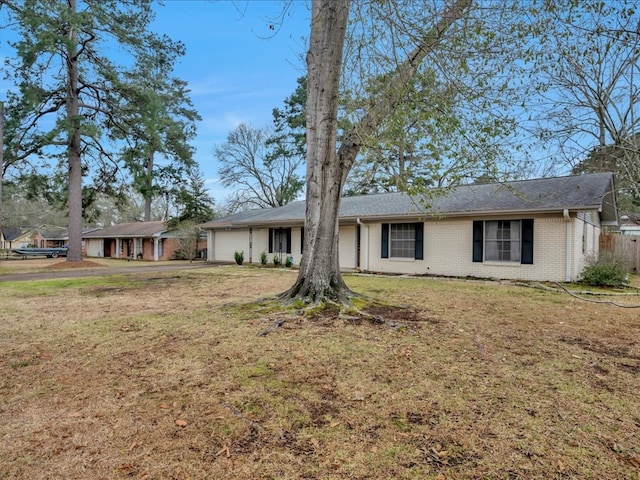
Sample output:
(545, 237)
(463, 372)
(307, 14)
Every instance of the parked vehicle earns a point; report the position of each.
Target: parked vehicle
(41, 252)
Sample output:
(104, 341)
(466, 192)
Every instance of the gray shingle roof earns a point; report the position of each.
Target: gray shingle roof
(53, 233)
(594, 191)
(11, 233)
(131, 230)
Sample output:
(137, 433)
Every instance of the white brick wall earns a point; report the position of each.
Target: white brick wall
(447, 248)
(448, 251)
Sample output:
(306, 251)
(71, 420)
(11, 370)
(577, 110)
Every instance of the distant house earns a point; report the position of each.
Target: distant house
(630, 225)
(540, 230)
(152, 241)
(15, 237)
(50, 237)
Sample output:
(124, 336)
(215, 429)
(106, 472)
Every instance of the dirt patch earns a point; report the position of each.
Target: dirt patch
(64, 265)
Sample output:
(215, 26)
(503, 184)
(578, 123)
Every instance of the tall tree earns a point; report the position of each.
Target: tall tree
(1, 162)
(289, 136)
(194, 203)
(264, 174)
(64, 76)
(435, 139)
(319, 278)
(587, 61)
(158, 119)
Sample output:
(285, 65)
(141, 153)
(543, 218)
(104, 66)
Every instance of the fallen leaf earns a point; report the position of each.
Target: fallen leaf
(181, 423)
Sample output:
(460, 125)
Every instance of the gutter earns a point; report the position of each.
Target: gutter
(568, 249)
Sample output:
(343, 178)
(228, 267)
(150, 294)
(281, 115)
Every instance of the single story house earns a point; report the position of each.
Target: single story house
(540, 230)
(50, 237)
(15, 237)
(152, 241)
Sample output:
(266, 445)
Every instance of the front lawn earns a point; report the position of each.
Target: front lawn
(164, 376)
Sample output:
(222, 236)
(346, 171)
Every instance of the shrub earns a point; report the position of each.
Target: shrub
(276, 260)
(607, 271)
(263, 258)
(288, 262)
(239, 257)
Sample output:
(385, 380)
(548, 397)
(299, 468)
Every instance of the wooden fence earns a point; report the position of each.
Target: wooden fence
(624, 246)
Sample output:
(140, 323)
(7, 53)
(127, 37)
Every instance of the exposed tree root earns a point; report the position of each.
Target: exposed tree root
(608, 302)
(375, 319)
(278, 323)
(353, 308)
(561, 288)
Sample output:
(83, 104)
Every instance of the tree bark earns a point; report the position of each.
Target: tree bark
(74, 194)
(319, 278)
(1, 163)
(148, 197)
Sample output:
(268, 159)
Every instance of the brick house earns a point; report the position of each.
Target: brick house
(540, 230)
(152, 241)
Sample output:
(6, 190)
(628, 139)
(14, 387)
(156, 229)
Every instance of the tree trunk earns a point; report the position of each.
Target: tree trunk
(148, 187)
(319, 278)
(74, 146)
(1, 163)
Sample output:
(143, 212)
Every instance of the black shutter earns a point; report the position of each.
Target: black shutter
(288, 240)
(419, 255)
(302, 240)
(271, 240)
(478, 242)
(384, 249)
(527, 241)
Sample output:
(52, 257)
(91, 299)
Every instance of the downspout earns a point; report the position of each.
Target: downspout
(568, 253)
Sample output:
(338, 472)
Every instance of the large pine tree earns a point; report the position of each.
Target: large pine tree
(65, 71)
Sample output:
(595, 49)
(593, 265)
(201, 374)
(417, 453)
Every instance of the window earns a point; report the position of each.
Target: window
(279, 240)
(503, 241)
(402, 240)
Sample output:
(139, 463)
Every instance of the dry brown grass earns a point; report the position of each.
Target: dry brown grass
(162, 376)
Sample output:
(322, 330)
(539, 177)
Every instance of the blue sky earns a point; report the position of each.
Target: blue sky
(237, 68)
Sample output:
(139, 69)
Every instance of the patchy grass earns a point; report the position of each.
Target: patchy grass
(163, 375)
(16, 264)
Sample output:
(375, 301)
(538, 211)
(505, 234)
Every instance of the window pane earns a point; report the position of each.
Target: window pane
(402, 240)
(502, 241)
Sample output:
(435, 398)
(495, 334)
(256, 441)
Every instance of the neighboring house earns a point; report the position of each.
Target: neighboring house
(50, 237)
(630, 224)
(137, 240)
(542, 230)
(55, 237)
(15, 237)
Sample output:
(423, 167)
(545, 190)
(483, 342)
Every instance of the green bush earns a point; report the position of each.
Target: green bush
(288, 262)
(239, 257)
(276, 260)
(263, 258)
(607, 271)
